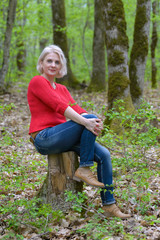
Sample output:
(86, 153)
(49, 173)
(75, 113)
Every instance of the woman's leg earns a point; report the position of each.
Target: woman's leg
(104, 171)
(63, 137)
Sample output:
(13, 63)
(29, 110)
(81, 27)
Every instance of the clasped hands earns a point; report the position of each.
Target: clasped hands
(95, 125)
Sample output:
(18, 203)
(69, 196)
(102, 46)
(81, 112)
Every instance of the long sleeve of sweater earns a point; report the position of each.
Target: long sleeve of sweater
(47, 105)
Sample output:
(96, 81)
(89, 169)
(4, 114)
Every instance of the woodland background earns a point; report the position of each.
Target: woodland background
(135, 151)
(33, 30)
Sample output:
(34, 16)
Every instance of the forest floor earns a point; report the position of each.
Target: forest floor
(30, 170)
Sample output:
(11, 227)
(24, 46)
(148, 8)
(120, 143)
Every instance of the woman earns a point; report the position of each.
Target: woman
(50, 104)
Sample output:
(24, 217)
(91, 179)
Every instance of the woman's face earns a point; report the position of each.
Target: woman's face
(51, 65)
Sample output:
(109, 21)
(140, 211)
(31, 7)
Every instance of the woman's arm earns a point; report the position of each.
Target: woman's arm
(94, 125)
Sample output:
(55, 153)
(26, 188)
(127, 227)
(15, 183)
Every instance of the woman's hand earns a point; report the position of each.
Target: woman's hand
(95, 125)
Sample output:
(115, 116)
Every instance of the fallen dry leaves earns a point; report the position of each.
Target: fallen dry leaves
(15, 124)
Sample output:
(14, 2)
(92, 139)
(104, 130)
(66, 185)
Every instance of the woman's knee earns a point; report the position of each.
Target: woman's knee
(90, 116)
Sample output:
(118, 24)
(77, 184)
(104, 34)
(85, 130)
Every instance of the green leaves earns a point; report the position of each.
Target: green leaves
(77, 199)
(134, 162)
(30, 212)
(6, 107)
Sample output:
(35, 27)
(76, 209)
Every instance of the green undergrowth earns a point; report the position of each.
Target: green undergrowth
(135, 155)
(20, 213)
(135, 159)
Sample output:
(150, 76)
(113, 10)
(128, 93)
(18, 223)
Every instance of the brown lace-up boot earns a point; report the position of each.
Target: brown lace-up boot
(113, 211)
(84, 174)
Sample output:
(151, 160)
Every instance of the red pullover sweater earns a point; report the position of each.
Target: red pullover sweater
(47, 105)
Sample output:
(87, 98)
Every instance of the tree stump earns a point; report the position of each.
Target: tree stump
(61, 168)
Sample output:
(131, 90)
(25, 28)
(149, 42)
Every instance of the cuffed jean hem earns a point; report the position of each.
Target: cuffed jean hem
(108, 203)
(86, 165)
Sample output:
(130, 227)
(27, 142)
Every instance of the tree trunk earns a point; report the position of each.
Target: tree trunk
(61, 168)
(98, 79)
(117, 54)
(20, 39)
(154, 45)
(83, 37)
(21, 56)
(60, 38)
(10, 22)
(41, 16)
(139, 50)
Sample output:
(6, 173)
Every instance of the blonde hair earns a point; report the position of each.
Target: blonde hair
(53, 49)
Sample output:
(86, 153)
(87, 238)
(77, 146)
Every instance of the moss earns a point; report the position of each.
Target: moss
(115, 58)
(140, 52)
(120, 41)
(140, 20)
(116, 19)
(116, 16)
(139, 49)
(118, 82)
(140, 46)
(135, 89)
(154, 45)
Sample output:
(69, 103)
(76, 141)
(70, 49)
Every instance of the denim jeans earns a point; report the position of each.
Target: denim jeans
(71, 136)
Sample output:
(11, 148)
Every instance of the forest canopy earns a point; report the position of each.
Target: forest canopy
(33, 29)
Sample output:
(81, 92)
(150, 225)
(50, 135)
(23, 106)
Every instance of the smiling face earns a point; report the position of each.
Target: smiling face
(51, 65)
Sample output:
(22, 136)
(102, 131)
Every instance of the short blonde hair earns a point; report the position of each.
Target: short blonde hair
(53, 49)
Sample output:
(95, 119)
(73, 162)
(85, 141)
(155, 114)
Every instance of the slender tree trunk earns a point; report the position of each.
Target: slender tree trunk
(20, 42)
(139, 50)
(3, 14)
(154, 45)
(83, 37)
(42, 39)
(98, 79)
(9, 26)
(117, 54)
(60, 37)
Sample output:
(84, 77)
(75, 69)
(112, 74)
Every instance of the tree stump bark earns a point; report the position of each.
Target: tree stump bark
(61, 169)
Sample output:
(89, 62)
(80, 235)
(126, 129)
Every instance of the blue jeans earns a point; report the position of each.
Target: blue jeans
(71, 136)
